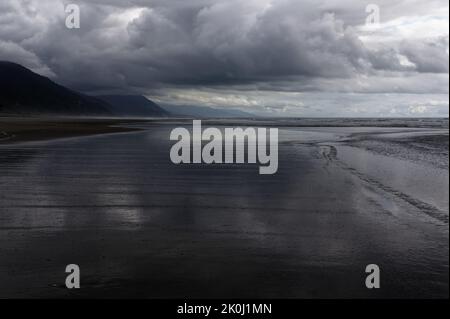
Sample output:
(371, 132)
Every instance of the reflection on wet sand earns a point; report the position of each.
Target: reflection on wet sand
(140, 226)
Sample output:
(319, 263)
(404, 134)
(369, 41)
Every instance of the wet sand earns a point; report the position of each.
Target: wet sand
(140, 226)
(14, 129)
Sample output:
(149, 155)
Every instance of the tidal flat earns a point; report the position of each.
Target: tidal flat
(345, 195)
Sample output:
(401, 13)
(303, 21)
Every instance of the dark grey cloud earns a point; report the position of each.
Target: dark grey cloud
(283, 45)
(427, 56)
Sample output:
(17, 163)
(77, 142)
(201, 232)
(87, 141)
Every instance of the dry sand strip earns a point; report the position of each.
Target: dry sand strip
(13, 130)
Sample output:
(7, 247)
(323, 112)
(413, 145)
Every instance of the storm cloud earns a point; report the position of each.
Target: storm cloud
(174, 47)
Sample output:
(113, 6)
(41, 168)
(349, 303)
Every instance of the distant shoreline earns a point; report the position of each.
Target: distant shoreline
(27, 129)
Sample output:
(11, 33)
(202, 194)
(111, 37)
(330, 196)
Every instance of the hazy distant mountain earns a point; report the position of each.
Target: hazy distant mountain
(132, 105)
(25, 92)
(206, 112)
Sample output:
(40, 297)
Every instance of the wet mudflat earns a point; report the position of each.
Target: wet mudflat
(140, 226)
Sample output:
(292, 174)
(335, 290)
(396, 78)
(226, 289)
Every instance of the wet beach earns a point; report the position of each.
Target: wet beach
(140, 226)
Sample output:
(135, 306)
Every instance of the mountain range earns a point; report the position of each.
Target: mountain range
(24, 93)
(132, 106)
(205, 112)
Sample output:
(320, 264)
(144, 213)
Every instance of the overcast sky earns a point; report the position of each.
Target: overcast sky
(272, 57)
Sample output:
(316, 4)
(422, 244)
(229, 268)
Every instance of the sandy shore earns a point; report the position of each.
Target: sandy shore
(14, 130)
